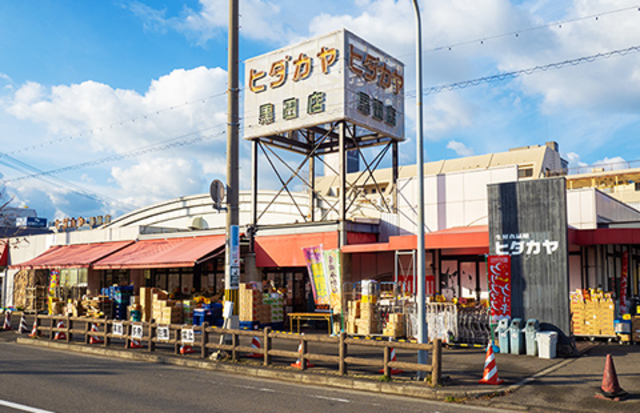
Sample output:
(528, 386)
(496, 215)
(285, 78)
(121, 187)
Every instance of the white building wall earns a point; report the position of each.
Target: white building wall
(587, 207)
(454, 199)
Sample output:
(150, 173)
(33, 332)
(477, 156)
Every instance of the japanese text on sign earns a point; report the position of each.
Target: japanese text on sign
(163, 333)
(524, 244)
(118, 328)
(334, 77)
(499, 286)
(315, 264)
(136, 331)
(187, 336)
(302, 69)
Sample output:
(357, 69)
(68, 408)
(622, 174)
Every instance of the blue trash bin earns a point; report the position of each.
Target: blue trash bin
(503, 335)
(516, 336)
(530, 330)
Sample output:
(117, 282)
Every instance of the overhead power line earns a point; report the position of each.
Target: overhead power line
(517, 33)
(113, 124)
(24, 167)
(117, 157)
(508, 75)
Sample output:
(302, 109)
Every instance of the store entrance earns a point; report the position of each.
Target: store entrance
(294, 283)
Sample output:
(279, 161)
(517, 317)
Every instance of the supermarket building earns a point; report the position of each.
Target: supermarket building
(180, 243)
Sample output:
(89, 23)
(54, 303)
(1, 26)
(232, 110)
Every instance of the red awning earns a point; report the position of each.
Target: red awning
(72, 256)
(163, 253)
(466, 239)
(286, 250)
(4, 249)
(605, 236)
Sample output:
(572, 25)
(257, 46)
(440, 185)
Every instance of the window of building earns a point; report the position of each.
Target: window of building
(525, 171)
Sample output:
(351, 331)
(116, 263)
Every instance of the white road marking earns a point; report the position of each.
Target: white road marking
(332, 399)
(268, 390)
(23, 407)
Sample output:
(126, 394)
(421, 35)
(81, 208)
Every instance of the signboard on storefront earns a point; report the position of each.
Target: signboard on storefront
(334, 77)
(334, 278)
(528, 222)
(624, 281)
(499, 286)
(315, 264)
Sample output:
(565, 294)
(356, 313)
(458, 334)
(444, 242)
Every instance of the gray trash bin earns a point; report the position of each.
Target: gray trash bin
(530, 330)
(516, 337)
(503, 335)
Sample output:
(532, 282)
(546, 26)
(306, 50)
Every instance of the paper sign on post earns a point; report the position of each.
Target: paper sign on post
(187, 335)
(118, 328)
(163, 333)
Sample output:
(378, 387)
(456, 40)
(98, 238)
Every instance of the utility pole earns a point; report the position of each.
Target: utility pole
(232, 265)
(420, 273)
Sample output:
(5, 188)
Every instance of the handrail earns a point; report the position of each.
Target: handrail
(228, 341)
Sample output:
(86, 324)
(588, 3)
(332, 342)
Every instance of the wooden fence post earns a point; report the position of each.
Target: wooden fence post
(386, 351)
(234, 344)
(205, 340)
(266, 346)
(68, 327)
(106, 332)
(152, 334)
(436, 363)
(303, 352)
(342, 353)
(87, 328)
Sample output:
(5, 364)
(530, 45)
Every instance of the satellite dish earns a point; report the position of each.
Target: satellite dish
(216, 190)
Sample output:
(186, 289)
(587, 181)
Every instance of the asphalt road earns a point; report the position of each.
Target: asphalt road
(41, 380)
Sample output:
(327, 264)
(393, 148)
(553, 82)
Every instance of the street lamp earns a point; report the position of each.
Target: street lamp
(420, 294)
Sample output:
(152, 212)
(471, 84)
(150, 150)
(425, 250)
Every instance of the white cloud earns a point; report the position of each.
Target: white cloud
(460, 148)
(102, 121)
(156, 179)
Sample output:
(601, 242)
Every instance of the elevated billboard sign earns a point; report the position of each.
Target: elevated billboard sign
(330, 78)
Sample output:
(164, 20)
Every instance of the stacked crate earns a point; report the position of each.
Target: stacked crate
(592, 313)
(146, 303)
(250, 300)
(578, 317)
(367, 323)
(605, 315)
(276, 303)
(395, 326)
(352, 316)
(635, 329)
(187, 311)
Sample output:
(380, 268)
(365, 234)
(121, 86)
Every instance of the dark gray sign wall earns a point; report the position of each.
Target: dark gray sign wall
(528, 220)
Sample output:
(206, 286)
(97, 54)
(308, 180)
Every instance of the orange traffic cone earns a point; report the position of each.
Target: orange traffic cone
(610, 389)
(23, 325)
(34, 330)
(7, 320)
(255, 343)
(186, 349)
(393, 358)
(60, 335)
(95, 339)
(135, 343)
(298, 363)
(490, 375)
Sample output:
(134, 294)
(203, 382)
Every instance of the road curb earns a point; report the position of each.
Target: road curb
(399, 388)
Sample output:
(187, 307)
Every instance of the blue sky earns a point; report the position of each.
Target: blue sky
(144, 81)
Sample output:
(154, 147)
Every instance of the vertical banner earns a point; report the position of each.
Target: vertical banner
(315, 265)
(624, 276)
(500, 286)
(232, 281)
(54, 282)
(334, 279)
